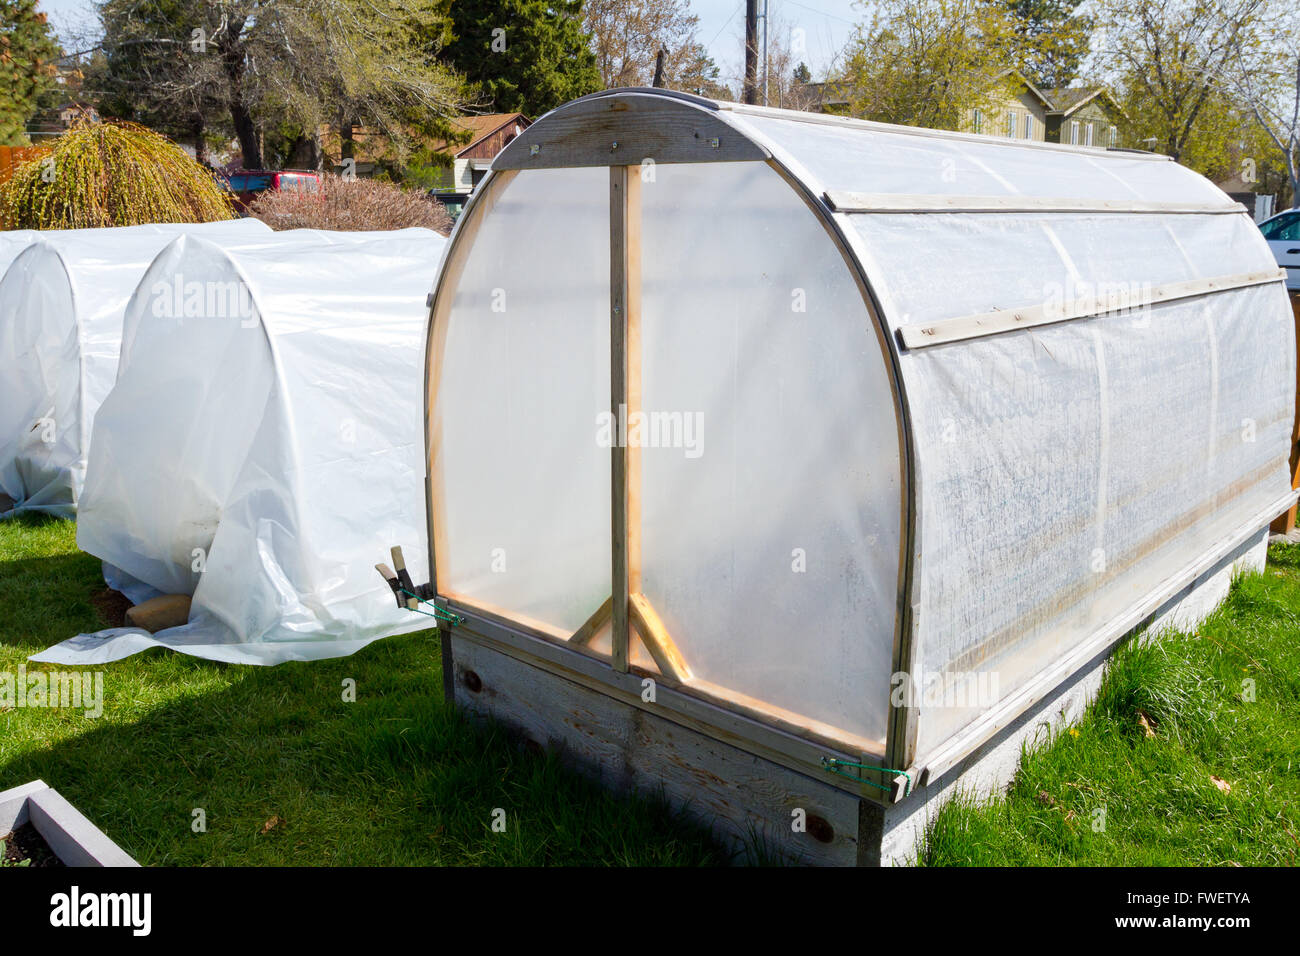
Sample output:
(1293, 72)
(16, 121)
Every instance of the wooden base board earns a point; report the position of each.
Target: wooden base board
(749, 803)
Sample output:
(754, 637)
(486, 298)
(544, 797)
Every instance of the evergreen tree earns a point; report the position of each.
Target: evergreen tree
(1051, 39)
(526, 56)
(27, 55)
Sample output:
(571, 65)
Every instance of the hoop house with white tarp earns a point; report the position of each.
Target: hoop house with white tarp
(61, 304)
(858, 440)
(13, 242)
(262, 441)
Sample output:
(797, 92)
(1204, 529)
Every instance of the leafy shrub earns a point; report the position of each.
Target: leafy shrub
(111, 174)
(350, 205)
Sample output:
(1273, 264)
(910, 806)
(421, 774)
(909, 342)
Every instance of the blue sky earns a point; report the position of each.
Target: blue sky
(826, 26)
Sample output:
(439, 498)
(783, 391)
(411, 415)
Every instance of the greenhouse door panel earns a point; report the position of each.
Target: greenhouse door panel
(763, 453)
(521, 488)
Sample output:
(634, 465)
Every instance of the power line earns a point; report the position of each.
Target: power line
(719, 33)
(823, 13)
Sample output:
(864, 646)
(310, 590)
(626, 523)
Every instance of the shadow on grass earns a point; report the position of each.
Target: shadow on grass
(47, 588)
(282, 771)
(200, 763)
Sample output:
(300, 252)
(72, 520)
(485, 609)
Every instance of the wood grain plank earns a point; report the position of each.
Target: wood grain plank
(583, 635)
(627, 129)
(618, 279)
(749, 803)
(654, 635)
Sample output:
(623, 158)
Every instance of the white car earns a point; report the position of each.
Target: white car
(1283, 235)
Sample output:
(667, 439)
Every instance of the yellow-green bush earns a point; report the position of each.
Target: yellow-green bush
(111, 174)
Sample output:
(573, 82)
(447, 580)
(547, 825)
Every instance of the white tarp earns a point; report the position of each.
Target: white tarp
(61, 303)
(1066, 472)
(263, 447)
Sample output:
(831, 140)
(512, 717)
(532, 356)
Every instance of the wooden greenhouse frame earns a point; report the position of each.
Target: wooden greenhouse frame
(744, 765)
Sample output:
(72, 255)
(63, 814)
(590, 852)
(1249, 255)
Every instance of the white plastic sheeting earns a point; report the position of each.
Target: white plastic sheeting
(758, 359)
(1059, 477)
(61, 304)
(1070, 469)
(262, 447)
(515, 435)
(755, 332)
(1064, 472)
(13, 242)
(877, 158)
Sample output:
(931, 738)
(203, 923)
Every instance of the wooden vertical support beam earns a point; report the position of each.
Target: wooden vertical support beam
(618, 289)
(632, 344)
(1285, 522)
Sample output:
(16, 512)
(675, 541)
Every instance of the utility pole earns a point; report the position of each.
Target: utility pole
(764, 52)
(750, 92)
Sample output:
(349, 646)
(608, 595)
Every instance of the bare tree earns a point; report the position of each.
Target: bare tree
(1267, 82)
(1170, 56)
(266, 64)
(785, 84)
(927, 62)
(628, 34)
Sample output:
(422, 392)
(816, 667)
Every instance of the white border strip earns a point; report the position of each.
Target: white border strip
(854, 202)
(966, 327)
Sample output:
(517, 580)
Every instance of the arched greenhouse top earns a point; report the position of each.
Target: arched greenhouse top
(779, 406)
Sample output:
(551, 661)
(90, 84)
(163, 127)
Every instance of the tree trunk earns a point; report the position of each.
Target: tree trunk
(247, 133)
(197, 129)
(306, 153)
(245, 128)
(347, 147)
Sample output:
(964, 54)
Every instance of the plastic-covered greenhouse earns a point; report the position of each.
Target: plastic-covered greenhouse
(857, 439)
(261, 443)
(61, 303)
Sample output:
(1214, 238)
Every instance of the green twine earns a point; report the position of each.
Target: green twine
(439, 613)
(831, 763)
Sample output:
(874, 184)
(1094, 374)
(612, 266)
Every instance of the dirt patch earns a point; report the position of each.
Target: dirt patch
(26, 844)
(112, 606)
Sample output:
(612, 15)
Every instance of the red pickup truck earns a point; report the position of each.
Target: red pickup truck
(247, 184)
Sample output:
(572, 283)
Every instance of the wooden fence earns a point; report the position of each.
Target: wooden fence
(11, 157)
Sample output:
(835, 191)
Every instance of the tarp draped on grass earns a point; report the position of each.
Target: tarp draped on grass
(62, 299)
(263, 446)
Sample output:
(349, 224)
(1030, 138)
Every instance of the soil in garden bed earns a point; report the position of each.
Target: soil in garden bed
(26, 844)
(112, 606)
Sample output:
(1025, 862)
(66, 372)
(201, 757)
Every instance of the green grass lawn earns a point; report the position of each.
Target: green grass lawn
(287, 773)
(395, 778)
(1162, 804)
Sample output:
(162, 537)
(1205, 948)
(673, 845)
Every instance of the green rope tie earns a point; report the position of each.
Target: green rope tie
(832, 763)
(439, 613)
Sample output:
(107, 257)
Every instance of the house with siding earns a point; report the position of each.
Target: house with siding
(1019, 112)
(1080, 116)
(1084, 116)
(488, 135)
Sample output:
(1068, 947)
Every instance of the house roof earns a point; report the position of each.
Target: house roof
(1070, 98)
(1020, 77)
(832, 93)
(479, 129)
